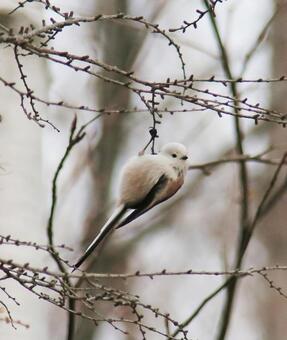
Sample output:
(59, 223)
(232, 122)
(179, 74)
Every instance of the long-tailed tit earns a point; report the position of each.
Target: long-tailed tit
(146, 181)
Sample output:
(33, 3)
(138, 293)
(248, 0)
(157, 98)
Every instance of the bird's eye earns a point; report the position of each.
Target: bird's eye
(174, 155)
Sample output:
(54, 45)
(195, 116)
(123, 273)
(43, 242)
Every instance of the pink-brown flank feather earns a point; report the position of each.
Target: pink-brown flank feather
(173, 186)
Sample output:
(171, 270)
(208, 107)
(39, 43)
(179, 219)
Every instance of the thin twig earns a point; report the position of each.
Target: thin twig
(74, 139)
(200, 307)
(8, 313)
(261, 206)
(243, 178)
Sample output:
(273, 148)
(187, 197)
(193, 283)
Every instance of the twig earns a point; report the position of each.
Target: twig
(8, 313)
(258, 41)
(4, 28)
(243, 178)
(200, 307)
(261, 206)
(194, 23)
(272, 285)
(205, 167)
(74, 139)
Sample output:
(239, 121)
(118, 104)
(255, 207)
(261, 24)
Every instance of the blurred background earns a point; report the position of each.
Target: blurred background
(200, 226)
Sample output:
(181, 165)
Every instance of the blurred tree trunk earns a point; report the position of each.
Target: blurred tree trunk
(273, 231)
(117, 45)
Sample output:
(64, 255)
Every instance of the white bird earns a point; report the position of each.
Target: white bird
(146, 181)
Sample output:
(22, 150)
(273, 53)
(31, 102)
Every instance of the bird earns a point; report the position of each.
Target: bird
(146, 181)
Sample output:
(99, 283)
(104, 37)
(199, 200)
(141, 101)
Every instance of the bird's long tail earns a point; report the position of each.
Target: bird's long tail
(132, 216)
(105, 230)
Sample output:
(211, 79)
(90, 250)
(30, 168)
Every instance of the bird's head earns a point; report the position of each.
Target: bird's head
(177, 152)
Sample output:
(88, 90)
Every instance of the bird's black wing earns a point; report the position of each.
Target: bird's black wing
(145, 204)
